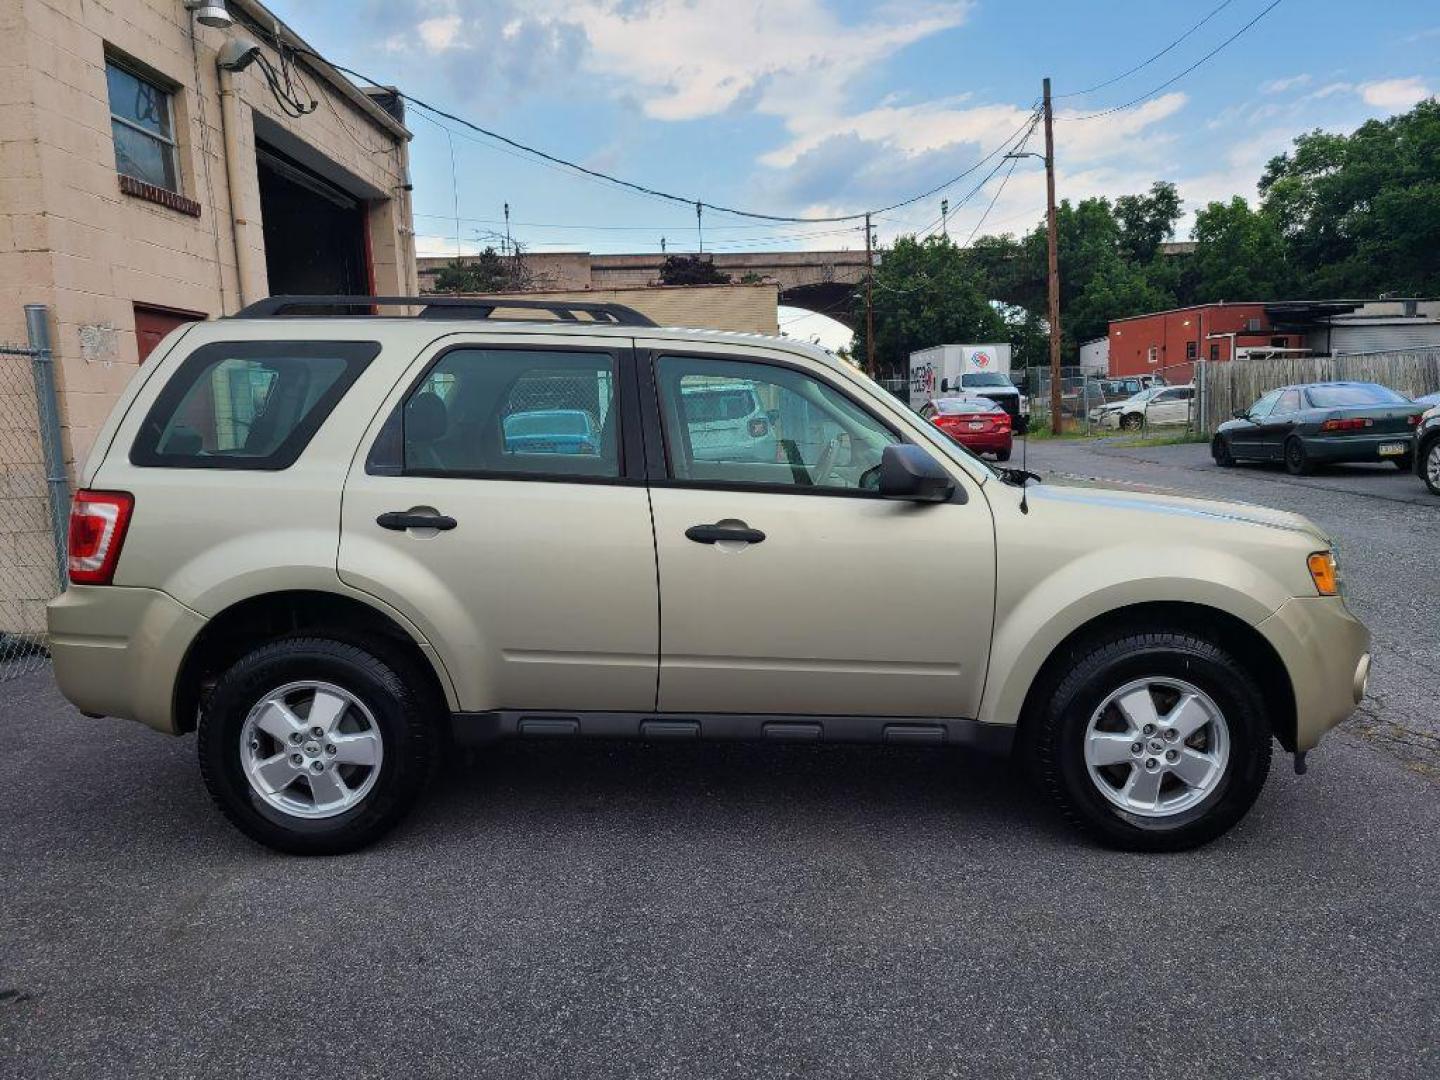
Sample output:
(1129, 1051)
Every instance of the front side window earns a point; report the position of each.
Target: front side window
(1261, 408)
(500, 412)
(142, 121)
(1289, 402)
(248, 404)
(794, 431)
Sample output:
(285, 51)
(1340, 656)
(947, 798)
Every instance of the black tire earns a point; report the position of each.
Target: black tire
(1220, 451)
(1002, 455)
(1131, 422)
(1430, 467)
(407, 712)
(1054, 736)
(1297, 459)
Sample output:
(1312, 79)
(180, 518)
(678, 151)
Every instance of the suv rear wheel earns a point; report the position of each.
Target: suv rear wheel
(312, 745)
(1153, 741)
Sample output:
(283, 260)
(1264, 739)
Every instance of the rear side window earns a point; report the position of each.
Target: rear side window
(248, 404)
(508, 413)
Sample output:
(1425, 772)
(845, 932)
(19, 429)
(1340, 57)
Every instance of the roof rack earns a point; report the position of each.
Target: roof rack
(444, 307)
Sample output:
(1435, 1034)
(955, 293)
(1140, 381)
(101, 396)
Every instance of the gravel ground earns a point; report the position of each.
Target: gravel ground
(727, 910)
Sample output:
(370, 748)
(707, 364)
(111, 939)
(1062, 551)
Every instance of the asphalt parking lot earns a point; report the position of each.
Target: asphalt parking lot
(698, 911)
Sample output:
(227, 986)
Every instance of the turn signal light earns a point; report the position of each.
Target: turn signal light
(98, 520)
(1324, 573)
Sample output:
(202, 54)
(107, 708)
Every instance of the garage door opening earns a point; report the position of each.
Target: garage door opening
(315, 233)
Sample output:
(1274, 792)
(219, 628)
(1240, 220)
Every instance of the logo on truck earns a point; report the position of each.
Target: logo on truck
(922, 380)
(980, 358)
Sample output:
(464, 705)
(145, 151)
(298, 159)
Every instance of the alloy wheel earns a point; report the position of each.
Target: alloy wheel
(1157, 747)
(1432, 467)
(311, 749)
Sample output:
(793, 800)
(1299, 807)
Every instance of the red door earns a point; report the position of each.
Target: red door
(153, 323)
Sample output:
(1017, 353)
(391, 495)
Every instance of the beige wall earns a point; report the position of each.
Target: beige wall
(750, 309)
(71, 240)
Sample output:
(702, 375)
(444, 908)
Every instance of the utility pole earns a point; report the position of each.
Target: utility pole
(869, 302)
(1054, 268)
(662, 245)
(945, 218)
(700, 227)
(509, 244)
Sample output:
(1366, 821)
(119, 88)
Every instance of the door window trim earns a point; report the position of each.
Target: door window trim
(386, 454)
(657, 437)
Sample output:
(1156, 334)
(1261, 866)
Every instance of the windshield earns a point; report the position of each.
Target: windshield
(1338, 397)
(1146, 395)
(987, 378)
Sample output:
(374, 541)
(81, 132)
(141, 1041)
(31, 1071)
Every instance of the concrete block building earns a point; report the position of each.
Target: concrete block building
(142, 184)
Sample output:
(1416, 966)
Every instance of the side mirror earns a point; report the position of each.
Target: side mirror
(908, 472)
(1241, 414)
(944, 386)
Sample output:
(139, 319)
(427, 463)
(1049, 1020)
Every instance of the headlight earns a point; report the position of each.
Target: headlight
(1325, 573)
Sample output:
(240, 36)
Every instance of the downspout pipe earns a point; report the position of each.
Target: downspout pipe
(230, 102)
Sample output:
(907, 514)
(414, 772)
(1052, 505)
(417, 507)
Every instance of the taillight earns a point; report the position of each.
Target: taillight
(1414, 419)
(1345, 425)
(98, 520)
(1002, 422)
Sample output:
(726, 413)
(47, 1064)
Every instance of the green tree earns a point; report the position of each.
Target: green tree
(1147, 221)
(1361, 212)
(1240, 254)
(925, 293)
(488, 272)
(690, 270)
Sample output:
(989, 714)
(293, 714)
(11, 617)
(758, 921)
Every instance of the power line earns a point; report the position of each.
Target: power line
(1146, 63)
(1176, 78)
(698, 204)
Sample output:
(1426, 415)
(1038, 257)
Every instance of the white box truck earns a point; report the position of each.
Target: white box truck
(979, 370)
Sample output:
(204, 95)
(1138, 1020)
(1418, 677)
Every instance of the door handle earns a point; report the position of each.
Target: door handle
(712, 534)
(399, 520)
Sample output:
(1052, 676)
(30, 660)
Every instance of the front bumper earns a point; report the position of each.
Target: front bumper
(1326, 651)
(117, 650)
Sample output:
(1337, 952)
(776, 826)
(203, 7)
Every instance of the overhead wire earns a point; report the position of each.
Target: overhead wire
(1150, 60)
(1176, 78)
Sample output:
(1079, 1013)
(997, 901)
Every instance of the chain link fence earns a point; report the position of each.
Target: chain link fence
(1164, 401)
(34, 497)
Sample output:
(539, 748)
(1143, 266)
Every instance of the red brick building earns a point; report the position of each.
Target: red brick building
(1169, 342)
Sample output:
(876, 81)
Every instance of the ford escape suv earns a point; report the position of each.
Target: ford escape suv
(329, 541)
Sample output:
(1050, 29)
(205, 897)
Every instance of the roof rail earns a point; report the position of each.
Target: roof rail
(444, 307)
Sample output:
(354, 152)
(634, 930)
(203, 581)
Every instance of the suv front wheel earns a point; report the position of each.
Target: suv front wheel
(1153, 741)
(312, 745)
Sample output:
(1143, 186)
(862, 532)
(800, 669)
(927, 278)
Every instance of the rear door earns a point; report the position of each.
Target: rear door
(1275, 428)
(528, 564)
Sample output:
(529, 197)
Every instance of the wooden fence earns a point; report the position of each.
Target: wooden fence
(1224, 387)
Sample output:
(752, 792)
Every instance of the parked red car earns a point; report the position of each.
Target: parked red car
(976, 423)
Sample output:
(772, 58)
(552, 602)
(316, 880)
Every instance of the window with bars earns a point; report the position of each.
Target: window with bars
(142, 120)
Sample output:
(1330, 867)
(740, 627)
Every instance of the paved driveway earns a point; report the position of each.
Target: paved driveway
(697, 911)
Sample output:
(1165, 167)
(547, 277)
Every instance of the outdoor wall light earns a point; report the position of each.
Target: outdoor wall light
(210, 13)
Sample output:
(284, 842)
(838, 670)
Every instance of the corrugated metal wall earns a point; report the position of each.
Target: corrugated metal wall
(1387, 337)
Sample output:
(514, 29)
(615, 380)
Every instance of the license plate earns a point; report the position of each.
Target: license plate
(979, 425)
(1392, 449)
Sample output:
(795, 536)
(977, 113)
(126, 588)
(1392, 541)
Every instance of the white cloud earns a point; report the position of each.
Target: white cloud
(439, 34)
(1395, 93)
(695, 58)
(1279, 86)
(1330, 90)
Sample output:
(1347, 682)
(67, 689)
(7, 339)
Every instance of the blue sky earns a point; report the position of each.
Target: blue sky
(815, 107)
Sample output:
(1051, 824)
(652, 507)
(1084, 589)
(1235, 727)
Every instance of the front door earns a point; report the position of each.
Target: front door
(502, 508)
(787, 584)
(1245, 440)
(1276, 427)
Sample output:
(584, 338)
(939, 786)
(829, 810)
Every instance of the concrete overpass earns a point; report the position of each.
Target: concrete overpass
(821, 281)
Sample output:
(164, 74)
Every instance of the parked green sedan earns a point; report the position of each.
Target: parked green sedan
(1320, 423)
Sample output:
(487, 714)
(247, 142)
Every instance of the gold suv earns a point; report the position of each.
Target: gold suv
(331, 542)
